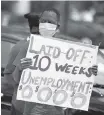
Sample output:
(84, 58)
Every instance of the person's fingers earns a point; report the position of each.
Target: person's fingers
(95, 73)
(95, 66)
(94, 69)
(26, 64)
(25, 59)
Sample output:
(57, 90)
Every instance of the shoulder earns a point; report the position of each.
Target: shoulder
(22, 53)
(19, 45)
(15, 50)
(12, 56)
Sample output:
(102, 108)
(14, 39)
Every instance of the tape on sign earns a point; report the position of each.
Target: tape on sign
(76, 96)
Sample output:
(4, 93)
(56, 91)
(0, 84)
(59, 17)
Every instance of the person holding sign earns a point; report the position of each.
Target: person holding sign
(48, 26)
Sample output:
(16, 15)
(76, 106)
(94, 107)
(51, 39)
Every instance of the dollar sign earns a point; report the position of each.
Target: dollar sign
(36, 90)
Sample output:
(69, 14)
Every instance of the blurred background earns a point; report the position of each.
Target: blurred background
(79, 19)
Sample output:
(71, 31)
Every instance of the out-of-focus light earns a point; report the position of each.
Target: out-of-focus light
(2, 94)
(75, 15)
(82, 16)
(21, 7)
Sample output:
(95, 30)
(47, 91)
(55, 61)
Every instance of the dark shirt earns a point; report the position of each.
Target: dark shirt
(8, 78)
(19, 105)
(14, 52)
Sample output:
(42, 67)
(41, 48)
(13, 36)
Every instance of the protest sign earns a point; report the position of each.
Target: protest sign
(60, 74)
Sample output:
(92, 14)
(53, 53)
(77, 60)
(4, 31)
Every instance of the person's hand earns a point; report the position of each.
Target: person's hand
(94, 70)
(25, 63)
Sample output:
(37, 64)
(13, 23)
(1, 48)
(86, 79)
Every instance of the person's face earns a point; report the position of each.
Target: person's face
(48, 24)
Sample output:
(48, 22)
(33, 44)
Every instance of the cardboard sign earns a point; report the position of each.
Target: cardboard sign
(60, 74)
